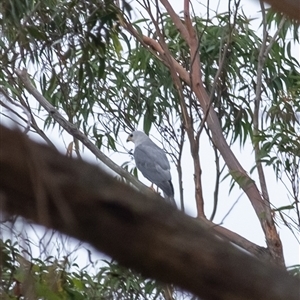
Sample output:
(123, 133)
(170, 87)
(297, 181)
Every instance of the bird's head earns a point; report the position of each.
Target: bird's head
(137, 137)
(130, 137)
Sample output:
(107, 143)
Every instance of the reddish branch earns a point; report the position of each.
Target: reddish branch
(139, 231)
(262, 210)
(187, 119)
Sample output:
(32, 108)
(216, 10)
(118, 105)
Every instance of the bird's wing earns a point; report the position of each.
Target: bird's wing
(152, 162)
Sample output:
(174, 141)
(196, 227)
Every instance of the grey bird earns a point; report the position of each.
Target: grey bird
(153, 163)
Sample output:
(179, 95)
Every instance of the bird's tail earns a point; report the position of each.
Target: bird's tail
(170, 199)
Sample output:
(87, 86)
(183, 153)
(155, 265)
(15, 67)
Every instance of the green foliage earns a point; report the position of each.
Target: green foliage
(69, 43)
(90, 70)
(235, 89)
(53, 279)
(121, 283)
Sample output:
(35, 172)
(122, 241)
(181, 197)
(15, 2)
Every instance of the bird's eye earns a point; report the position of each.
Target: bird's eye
(131, 135)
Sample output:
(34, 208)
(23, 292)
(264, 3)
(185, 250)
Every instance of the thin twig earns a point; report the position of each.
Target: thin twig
(75, 132)
(217, 183)
(263, 53)
(187, 120)
(219, 71)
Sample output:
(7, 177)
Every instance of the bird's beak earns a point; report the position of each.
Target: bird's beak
(129, 139)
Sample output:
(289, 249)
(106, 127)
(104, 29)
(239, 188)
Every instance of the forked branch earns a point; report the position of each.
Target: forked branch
(238, 173)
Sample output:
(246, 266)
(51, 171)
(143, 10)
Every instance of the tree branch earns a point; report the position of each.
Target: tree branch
(238, 173)
(139, 231)
(75, 132)
(257, 101)
(291, 8)
(263, 54)
(187, 120)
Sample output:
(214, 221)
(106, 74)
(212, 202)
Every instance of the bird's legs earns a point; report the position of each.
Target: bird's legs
(152, 188)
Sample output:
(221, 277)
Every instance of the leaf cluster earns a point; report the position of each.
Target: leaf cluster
(23, 276)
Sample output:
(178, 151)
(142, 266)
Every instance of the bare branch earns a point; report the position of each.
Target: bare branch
(217, 182)
(75, 132)
(224, 233)
(187, 119)
(257, 102)
(31, 123)
(178, 22)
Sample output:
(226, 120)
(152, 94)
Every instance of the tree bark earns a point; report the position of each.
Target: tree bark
(291, 8)
(141, 231)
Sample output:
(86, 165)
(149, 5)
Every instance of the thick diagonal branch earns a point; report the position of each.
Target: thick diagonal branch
(139, 231)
